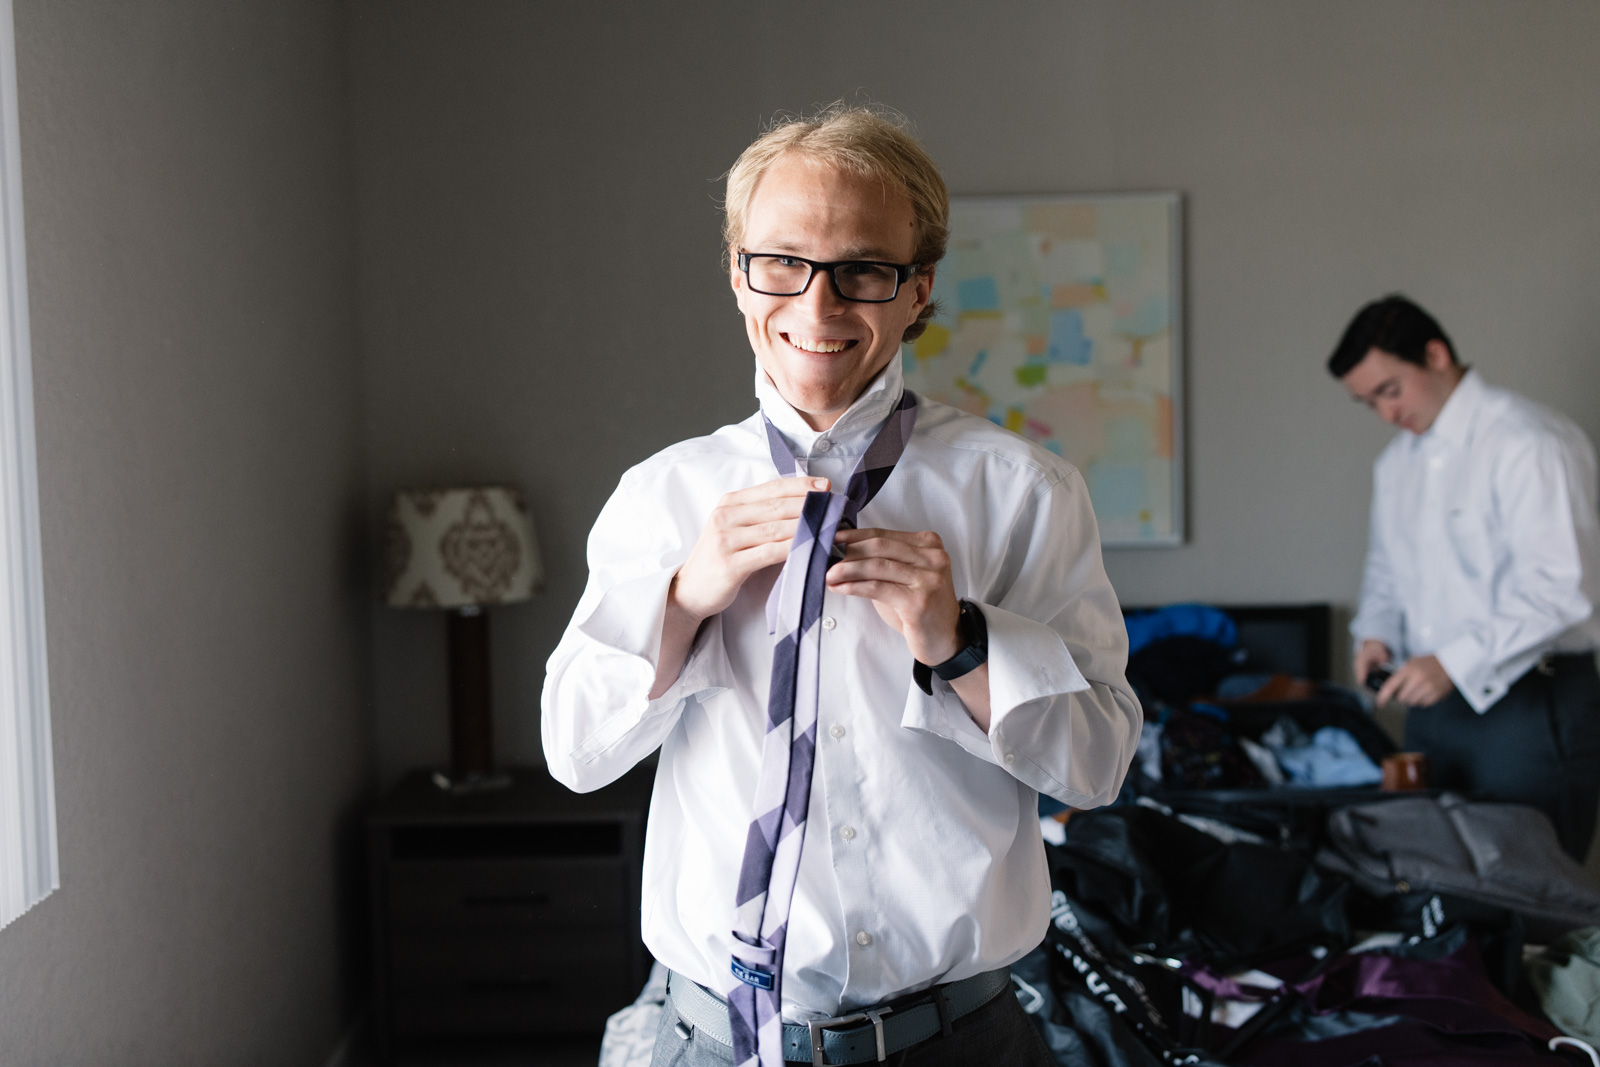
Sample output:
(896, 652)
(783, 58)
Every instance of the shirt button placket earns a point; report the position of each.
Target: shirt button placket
(846, 801)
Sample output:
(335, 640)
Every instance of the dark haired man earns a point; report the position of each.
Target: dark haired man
(1482, 573)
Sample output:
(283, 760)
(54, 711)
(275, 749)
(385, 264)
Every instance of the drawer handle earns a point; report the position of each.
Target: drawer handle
(523, 983)
(508, 900)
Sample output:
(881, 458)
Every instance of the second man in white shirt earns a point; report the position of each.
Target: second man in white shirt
(1482, 573)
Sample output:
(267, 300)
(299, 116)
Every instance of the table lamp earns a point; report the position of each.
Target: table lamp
(463, 550)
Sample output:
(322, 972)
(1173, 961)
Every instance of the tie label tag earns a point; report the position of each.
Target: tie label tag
(752, 975)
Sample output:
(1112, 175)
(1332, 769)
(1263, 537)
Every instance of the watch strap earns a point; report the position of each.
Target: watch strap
(974, 654)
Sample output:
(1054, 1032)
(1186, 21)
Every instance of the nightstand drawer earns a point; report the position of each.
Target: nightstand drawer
(509, 913)
(487, 1009)
(426, 957)
(509, 893)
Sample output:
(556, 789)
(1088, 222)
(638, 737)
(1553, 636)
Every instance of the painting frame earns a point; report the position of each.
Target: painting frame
(1112, 259)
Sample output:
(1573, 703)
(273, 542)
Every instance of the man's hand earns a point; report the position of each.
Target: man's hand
(748, 531)
(907, 578)
(1419, 682)
(1371, 654)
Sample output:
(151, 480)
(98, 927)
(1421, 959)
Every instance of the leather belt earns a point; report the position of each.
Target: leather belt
(858, 1037)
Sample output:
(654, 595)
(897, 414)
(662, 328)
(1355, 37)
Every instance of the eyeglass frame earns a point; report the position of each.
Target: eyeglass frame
(902, 274)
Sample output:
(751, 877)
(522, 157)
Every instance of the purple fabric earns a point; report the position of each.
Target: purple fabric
(1451, 993)
(788, 752)
(1450, 1014)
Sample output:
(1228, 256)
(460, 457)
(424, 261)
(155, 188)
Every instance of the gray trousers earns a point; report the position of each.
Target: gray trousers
(997, 1033)
(1539, 745)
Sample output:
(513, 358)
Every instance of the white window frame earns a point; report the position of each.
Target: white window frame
(28, 865)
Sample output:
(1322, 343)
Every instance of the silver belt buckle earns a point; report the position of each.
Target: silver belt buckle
(874, 1015)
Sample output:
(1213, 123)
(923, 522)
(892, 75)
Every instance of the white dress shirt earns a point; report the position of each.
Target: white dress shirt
(922, 860)
(1485, 546)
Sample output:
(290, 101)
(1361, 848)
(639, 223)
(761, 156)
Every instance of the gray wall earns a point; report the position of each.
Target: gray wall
(191, 260)
(1328, 152)
(204, 419)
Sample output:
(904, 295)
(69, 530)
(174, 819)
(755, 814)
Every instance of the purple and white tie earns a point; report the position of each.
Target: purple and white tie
(788, 753)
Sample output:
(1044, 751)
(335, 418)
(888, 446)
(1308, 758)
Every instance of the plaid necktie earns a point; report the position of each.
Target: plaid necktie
(788, 753)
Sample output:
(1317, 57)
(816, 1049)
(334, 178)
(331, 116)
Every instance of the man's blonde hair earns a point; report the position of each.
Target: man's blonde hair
(864, 140)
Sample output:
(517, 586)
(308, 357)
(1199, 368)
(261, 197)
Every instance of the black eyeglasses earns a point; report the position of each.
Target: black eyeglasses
(865, 281)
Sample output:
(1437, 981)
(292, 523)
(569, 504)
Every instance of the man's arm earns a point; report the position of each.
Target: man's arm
(907, 578)
(1379, 620)
(1544, 493)
(629, 660)
(1052, 705)
(748, 531)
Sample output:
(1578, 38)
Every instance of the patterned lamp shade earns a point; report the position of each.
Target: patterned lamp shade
(453, 548)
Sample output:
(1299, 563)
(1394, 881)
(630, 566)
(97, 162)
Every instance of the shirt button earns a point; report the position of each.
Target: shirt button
(824, 445)
(836, 730)
(1427, 631)
(863, 938)
(848, 833)
(829, 623)
(1010, 758)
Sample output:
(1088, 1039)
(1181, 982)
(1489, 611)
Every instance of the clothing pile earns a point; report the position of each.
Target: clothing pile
(1393, 934)
(1212, 722)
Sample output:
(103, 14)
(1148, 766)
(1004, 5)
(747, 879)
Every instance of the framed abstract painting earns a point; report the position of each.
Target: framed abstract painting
(1060, 318)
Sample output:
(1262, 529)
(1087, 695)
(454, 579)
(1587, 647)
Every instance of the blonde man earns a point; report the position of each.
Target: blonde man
(969, 650)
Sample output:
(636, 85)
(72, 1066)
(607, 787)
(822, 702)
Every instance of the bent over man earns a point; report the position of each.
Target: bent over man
(865, 630)
(1483, 569)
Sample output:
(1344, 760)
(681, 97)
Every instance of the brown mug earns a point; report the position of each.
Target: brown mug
(1405, 770)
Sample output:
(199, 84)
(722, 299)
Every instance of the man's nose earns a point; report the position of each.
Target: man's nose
(820, 295)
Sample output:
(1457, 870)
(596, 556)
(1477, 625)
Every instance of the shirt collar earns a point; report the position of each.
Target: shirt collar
(1453, 424)
(855, 428)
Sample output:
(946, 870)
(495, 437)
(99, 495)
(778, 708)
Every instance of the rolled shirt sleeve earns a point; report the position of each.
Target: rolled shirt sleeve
(1063, 718)
(1541, 575)
(599, 719)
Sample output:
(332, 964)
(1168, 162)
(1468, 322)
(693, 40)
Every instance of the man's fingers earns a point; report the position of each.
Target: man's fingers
(752, 513)
(891, 594)
(1386, 694)
(1409, 685)
(882, 569)
(749, 560)
(919, 538)
(740, 538)
(914, 549)
(773, 490)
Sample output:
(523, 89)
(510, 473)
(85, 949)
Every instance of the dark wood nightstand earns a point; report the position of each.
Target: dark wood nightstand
(505, 913)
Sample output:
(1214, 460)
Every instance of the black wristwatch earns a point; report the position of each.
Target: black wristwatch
(974, 628)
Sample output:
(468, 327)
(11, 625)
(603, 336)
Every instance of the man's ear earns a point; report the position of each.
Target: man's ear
(736, 279)
(1437, 353)
(924, 283)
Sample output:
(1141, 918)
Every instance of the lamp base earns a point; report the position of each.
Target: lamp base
(472, 782)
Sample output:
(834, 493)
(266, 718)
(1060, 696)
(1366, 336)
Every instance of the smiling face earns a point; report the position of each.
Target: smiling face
(1401, 392)
(822, 351)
